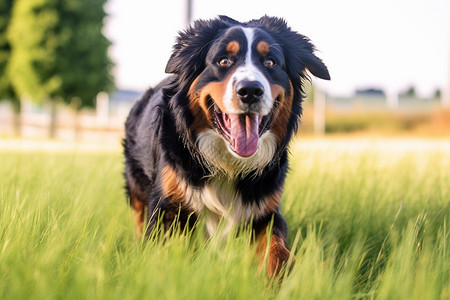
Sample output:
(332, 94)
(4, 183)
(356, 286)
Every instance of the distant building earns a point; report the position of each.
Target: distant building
(125, 97)
(121, 101)
(370, 92)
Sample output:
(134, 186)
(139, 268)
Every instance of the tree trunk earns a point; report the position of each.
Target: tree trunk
(17, 119)
(53, 113)
(75, 104)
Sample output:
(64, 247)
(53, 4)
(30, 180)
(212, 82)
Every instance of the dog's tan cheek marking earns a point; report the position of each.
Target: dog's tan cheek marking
(233, 48)
(217, 90)
(170, 185)
(283, 111)
(199, 109)
(263, 48)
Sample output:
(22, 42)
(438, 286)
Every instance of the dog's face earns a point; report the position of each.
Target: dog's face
(243, 77)
(244, 81)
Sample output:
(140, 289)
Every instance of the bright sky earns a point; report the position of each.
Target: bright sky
(388, 44)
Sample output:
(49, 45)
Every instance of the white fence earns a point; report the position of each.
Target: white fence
(103, 125)
(106, 123)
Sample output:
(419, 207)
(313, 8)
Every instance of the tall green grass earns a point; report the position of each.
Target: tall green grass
(371, 223)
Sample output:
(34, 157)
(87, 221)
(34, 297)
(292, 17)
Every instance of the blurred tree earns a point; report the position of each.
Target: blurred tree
(6, 89)
(59, 52)
(409, 92)
(437, 94)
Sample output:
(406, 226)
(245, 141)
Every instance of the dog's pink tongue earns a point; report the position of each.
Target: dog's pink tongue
(244, 133)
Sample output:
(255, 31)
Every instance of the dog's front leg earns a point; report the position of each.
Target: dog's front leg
(272, 245)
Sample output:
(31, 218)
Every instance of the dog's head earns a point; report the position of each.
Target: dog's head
(244, 80)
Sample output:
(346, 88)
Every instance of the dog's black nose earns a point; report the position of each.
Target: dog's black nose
(249, 91)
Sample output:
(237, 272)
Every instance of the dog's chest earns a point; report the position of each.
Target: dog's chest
(220, 202)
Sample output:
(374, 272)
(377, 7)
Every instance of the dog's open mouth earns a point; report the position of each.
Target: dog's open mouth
(242, 131)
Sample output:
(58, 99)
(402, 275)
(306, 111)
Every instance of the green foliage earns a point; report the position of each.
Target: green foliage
(409, 93)
(366, 223)
(59, 50)
(6, 89)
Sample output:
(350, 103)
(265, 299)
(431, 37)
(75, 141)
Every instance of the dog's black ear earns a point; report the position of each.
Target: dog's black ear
(192, 45)
(298, 48)
(316, 66)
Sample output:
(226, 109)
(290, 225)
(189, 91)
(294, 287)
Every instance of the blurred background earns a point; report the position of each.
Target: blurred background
(70, 70)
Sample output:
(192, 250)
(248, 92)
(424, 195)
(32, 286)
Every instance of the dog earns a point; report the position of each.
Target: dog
(211, 140)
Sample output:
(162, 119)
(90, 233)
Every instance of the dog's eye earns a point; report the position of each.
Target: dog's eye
(225, 62)
(269, 63)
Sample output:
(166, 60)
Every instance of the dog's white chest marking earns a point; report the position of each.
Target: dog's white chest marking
(220, 203)
(219, 200)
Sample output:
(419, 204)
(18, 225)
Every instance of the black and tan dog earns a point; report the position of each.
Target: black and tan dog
(211, 140)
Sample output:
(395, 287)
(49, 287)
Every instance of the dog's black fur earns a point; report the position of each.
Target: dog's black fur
(183, 156)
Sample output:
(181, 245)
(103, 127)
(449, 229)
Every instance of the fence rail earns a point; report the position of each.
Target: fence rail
(106, 123)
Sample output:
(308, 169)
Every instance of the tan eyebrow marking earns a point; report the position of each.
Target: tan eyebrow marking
(263, 48)
(233, 48)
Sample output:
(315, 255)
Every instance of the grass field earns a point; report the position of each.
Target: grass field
(368, 220)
